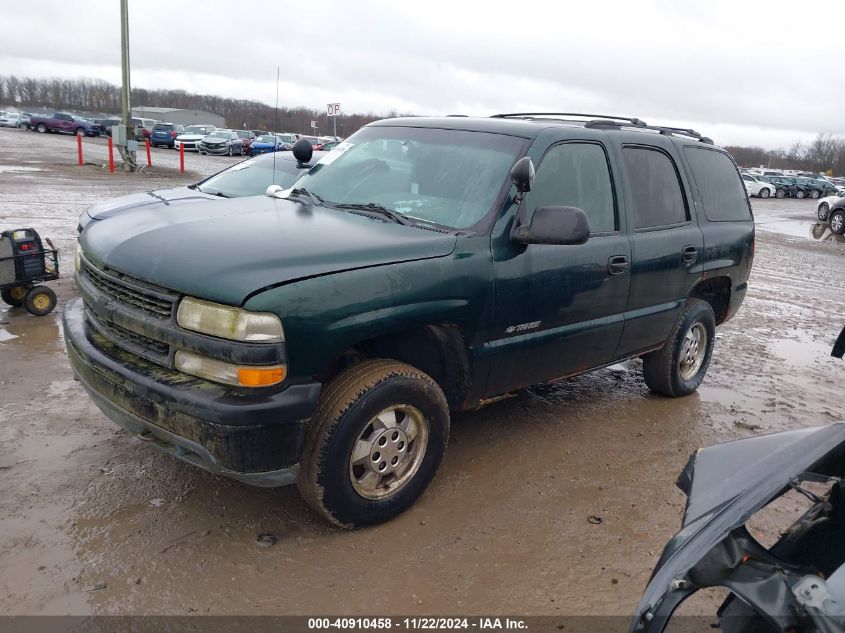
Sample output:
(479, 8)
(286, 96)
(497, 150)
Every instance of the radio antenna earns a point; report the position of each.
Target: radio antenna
(276, 126)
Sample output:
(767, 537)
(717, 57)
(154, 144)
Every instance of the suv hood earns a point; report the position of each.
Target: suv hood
(225, 251)
(147, 199)
(725, 484)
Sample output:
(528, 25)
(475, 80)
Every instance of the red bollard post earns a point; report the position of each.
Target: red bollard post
(182, 158)
(111, 155)
(79, 147)
(149, 158)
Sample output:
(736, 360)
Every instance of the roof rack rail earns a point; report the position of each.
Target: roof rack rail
(632, 120)
(606, 120)
(685, 132)
(663, 129)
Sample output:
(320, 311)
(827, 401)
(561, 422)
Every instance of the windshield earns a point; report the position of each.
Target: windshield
(242, 133)
(446, 177)
(265, 139)
(251, 178)
(196, 129)
(220, 134)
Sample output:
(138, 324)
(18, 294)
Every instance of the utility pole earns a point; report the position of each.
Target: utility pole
(128, 156)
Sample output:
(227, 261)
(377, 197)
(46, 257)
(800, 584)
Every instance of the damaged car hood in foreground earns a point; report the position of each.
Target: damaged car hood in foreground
(777, 589)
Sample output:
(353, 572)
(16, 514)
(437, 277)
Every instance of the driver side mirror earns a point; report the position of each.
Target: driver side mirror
(555, 225)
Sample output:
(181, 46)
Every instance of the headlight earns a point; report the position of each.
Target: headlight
(230, 323)
(77, 258)
(227, 373)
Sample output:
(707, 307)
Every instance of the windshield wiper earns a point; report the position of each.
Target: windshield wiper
(395, 216)
(302, 191)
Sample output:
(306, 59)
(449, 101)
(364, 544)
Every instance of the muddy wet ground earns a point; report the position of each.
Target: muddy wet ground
(95, 521)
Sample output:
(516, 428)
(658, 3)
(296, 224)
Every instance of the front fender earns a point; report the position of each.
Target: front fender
(325, 315)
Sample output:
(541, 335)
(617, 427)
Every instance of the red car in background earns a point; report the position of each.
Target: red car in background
(247, 136)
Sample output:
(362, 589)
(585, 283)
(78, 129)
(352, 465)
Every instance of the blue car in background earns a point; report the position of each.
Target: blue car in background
(165, 134)
(268, 143)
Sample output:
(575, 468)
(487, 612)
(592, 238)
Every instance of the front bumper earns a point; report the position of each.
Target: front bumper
(256, 438)
(215, 150)
(190, 146)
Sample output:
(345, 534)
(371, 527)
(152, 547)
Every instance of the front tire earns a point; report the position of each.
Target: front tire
(764, 192)
(824, 209)
(799, 194)
(375, 442)
(41, 128)
(780, 193)
(814, 194)
(678, 368)
(39, 300)
(837, 222)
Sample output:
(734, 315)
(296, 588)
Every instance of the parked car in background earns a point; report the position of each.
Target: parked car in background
(816, 188)
(755, 187)
(287, 137)
(143, 128)
(10, 119)
(259, 132)
(26, 117)
(327, 146)
(64, 122)
(108, 124)
(247, 136)
(826, 204)
(165, 134)
(222, 142)
(192, 135)
(314, 140)
(791, 186)
(781, 190)
(266, 143)
(247, 178)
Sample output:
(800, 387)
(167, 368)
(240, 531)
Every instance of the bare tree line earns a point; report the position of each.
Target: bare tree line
(824, 154)
(95, 96)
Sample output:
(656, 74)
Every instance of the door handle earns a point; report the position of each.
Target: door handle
(689, 254)
(617, 265)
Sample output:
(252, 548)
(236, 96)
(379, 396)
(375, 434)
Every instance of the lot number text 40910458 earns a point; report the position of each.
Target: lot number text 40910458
(417, 623)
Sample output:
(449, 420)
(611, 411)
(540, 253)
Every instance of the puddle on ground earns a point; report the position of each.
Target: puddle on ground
(800, 228)
(5, 335)
(17, 168)
(801, 352)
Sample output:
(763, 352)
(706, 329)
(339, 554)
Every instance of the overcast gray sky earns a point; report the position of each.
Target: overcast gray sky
(745, 72)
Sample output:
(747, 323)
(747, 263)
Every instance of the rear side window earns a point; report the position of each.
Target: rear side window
(721, 192)
(576, 175)
(655, 189)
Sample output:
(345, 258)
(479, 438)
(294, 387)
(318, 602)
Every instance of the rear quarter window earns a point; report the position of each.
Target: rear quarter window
(720, 190)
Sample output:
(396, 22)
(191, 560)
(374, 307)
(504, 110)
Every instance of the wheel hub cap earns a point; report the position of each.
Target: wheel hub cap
(388, 452)
(693, 349)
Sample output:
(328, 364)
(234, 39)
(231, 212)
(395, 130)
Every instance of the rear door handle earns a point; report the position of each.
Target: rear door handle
(617, 265)
(689, 254)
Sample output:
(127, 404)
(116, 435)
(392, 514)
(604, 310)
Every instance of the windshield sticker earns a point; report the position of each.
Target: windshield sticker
(336, 153)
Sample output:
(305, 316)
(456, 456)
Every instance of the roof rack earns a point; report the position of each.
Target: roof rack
(609, 121)
(632, 120)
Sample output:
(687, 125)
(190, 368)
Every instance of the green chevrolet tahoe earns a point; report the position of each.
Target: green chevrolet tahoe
(321, 335)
